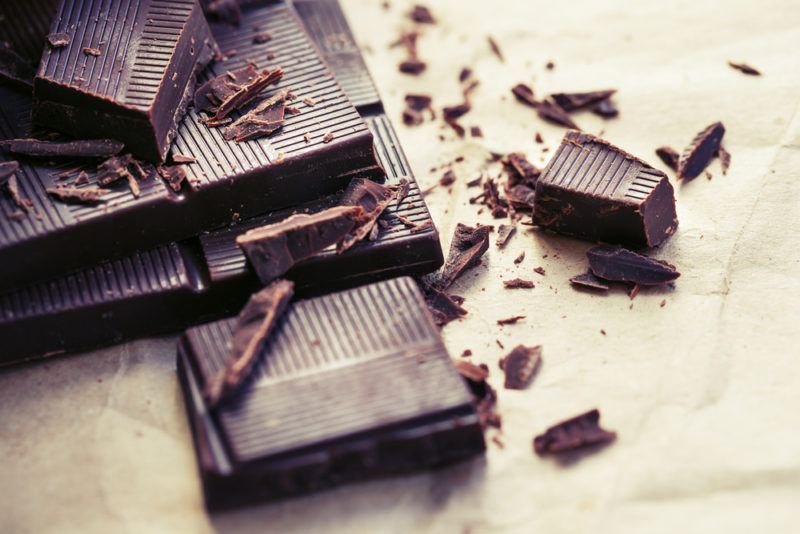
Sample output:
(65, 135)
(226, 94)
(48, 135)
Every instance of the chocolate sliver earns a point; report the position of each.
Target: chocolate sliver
(234, 90)
(550, 111)
(274, 249)
(80, 195)
(745, 68)
(88, 148)
(403, 189)
(466, 249)
(518, 283)
(576, 101)
(12, 187)
(7, 168)
(621, 265)
(701, 151)
(504, 233)
(266, 118)
(370, 196)
(605, 108)
(669, 156)
(524, 94)
(578, 432)
(251, 331)
(589, 280)
(57, 40)
(174, 175)
(520, 365)
(443, 306)
(724, 159)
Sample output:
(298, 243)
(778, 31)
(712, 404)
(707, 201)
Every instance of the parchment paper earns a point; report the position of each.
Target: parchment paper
(704, 392)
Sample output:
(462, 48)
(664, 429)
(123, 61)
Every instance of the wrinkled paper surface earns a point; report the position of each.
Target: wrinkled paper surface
(704, 391)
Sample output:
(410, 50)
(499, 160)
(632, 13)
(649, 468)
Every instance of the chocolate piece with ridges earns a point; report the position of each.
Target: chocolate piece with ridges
(233, 90)
(137, 87)
(621, 265)
(595, 191)
(262, 120)
(251, 331)
(88, 148)
(425, 419)
(466, 249)
(576, 101)
(703, 148)
(576, 433)
(274, 249)
(373, 199)
(520, 365)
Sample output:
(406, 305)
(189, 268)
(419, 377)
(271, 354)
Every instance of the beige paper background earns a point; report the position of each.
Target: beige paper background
(704, 392)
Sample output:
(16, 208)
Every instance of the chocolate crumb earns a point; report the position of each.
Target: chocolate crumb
(538, 138)
(475, 131)
(328, 137)
(91, 51)
(466, 354)
(518, 283)
(524, 94)
(550, 65)
(261, 38)
(519, 259)
(58, 40)
(745, 68)
(504, 233)
(495, 48)
(448, 178)
(309, 101)
(422, 15)
(539, 270)
(174, 175)
(510, 320)
(465, 74)
(663, 303)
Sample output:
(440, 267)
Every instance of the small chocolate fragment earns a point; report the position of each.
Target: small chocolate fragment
(261, 38)
(621, 265)
(7, 168)
(90, 148)
(539, 270)
(475, 376)
(412, 66)
(443, 306)
(422, 15)
(327, 137)
(174, 175)
(472, 372)
(590, 281)
(466, 249)
(495, 48)
(701, 151)
(57, 40)
(538, 138)
(14, 69)
(524, 93)
(550, 111)
(227, 11)
(452, 113)
(745, 68)
(373, 198)
(504, 233)
(669, 156)
(724, 159)
(519, 259)
(514, 319)
(465, 74)
(520, 365)
(605, 108)
(232, 91)
(275, 248)
(12, 187)
(593, 190)
(475, 131)
(518, 283)
(403, 187)
(264, 119)
(419, 102)
(91, 51)
(81, 195)
(448, 178)
(182, 158)
(251, 331)
(578, 432)
(576, 101)
(520, 171)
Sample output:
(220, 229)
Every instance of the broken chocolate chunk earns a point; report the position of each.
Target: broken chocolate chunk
(621, 265)
(81, 195)
(578, 432)
(593, 190)
(58, 40)
(91, 51)
(495, 48)
(227, 11)
(89, 148)
(275, 248)
(422, 15)
(251, 331)
(373, 198)
(510, 320)
(174, 175)
(745, 68)
(605, 108)
(524, 93)
(466, 249)
(448, 178)
(724, 159)
(504, 233)
(549, 110)
(590, 281)
(518, 283)
(451, 113)
(443, 307)
(264, 119)
(520, 171)
(232, 91)
(7, 168)
(520, 365)
(701, 151)
(14, 69)
(576, 101)
(669, 156)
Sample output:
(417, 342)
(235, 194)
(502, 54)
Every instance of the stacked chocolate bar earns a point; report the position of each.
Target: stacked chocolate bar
(158, 162)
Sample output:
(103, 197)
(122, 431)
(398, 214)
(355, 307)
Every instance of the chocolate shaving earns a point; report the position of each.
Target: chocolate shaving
(519, 259)
(745, 68)
(622, 265)
(495, 48)
(181, 158)
(7, 168)
(510, 320)
(58, 40)
(576, 101)
(550, 111)
(669, 156)
(539, 270)
(373, 198)
(703, 148)
(232, 91)
(174, 175)
(12, 187)
(524, 94)
(403, 187)
(89, 148)
(504, 233)
(422, 15)
(263, 120)
(466, 249)
(81, 195)
(724, 159)
(443, 307)
(485, 395)
(578, 432)
(590, 281)
(250, 333)
(328, 137)
(518, 283)
(15, 69)
(91, 51)
(520, 365)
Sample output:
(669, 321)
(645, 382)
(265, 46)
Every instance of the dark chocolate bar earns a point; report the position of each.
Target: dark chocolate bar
(350, 386)
(128, 71)
(172, 286)
(593, 190)
(228, 180)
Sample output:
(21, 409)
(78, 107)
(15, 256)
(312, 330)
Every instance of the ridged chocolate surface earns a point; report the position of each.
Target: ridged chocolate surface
(359, 359)
(25, 24)
(328, 27)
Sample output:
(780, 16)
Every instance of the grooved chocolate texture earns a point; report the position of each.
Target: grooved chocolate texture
(25, 25)
(228, 180)
(379, 394)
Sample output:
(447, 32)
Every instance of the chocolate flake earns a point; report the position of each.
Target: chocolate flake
(605, 108)
(403, 187)
(539, 270)
(475, 131)
(443, 306)
(466, 249)
(261, 38)
(373, 198)
(519, 259)
(701, 151)
(12, 187)
(576, 101)
(7, 168)
(174, 175)
(590, 281)
(578, 432)
(472, 372)
(275, 248)
(448, 178)
(724, 159)
(495, 48)
(622, 265)
(251, 331)
(550, 111)
(524, 94)
(328, 137)
(422, 15)
(520, 365)
(89, 148)
(263, 120)
(232, 91)
(465, 74)
(81, 195)
(504, 233)
(510, 320)
(745, 68)
(58, 40)
(91, 51)
(669, 156)
(182, 158)
(518, 283)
